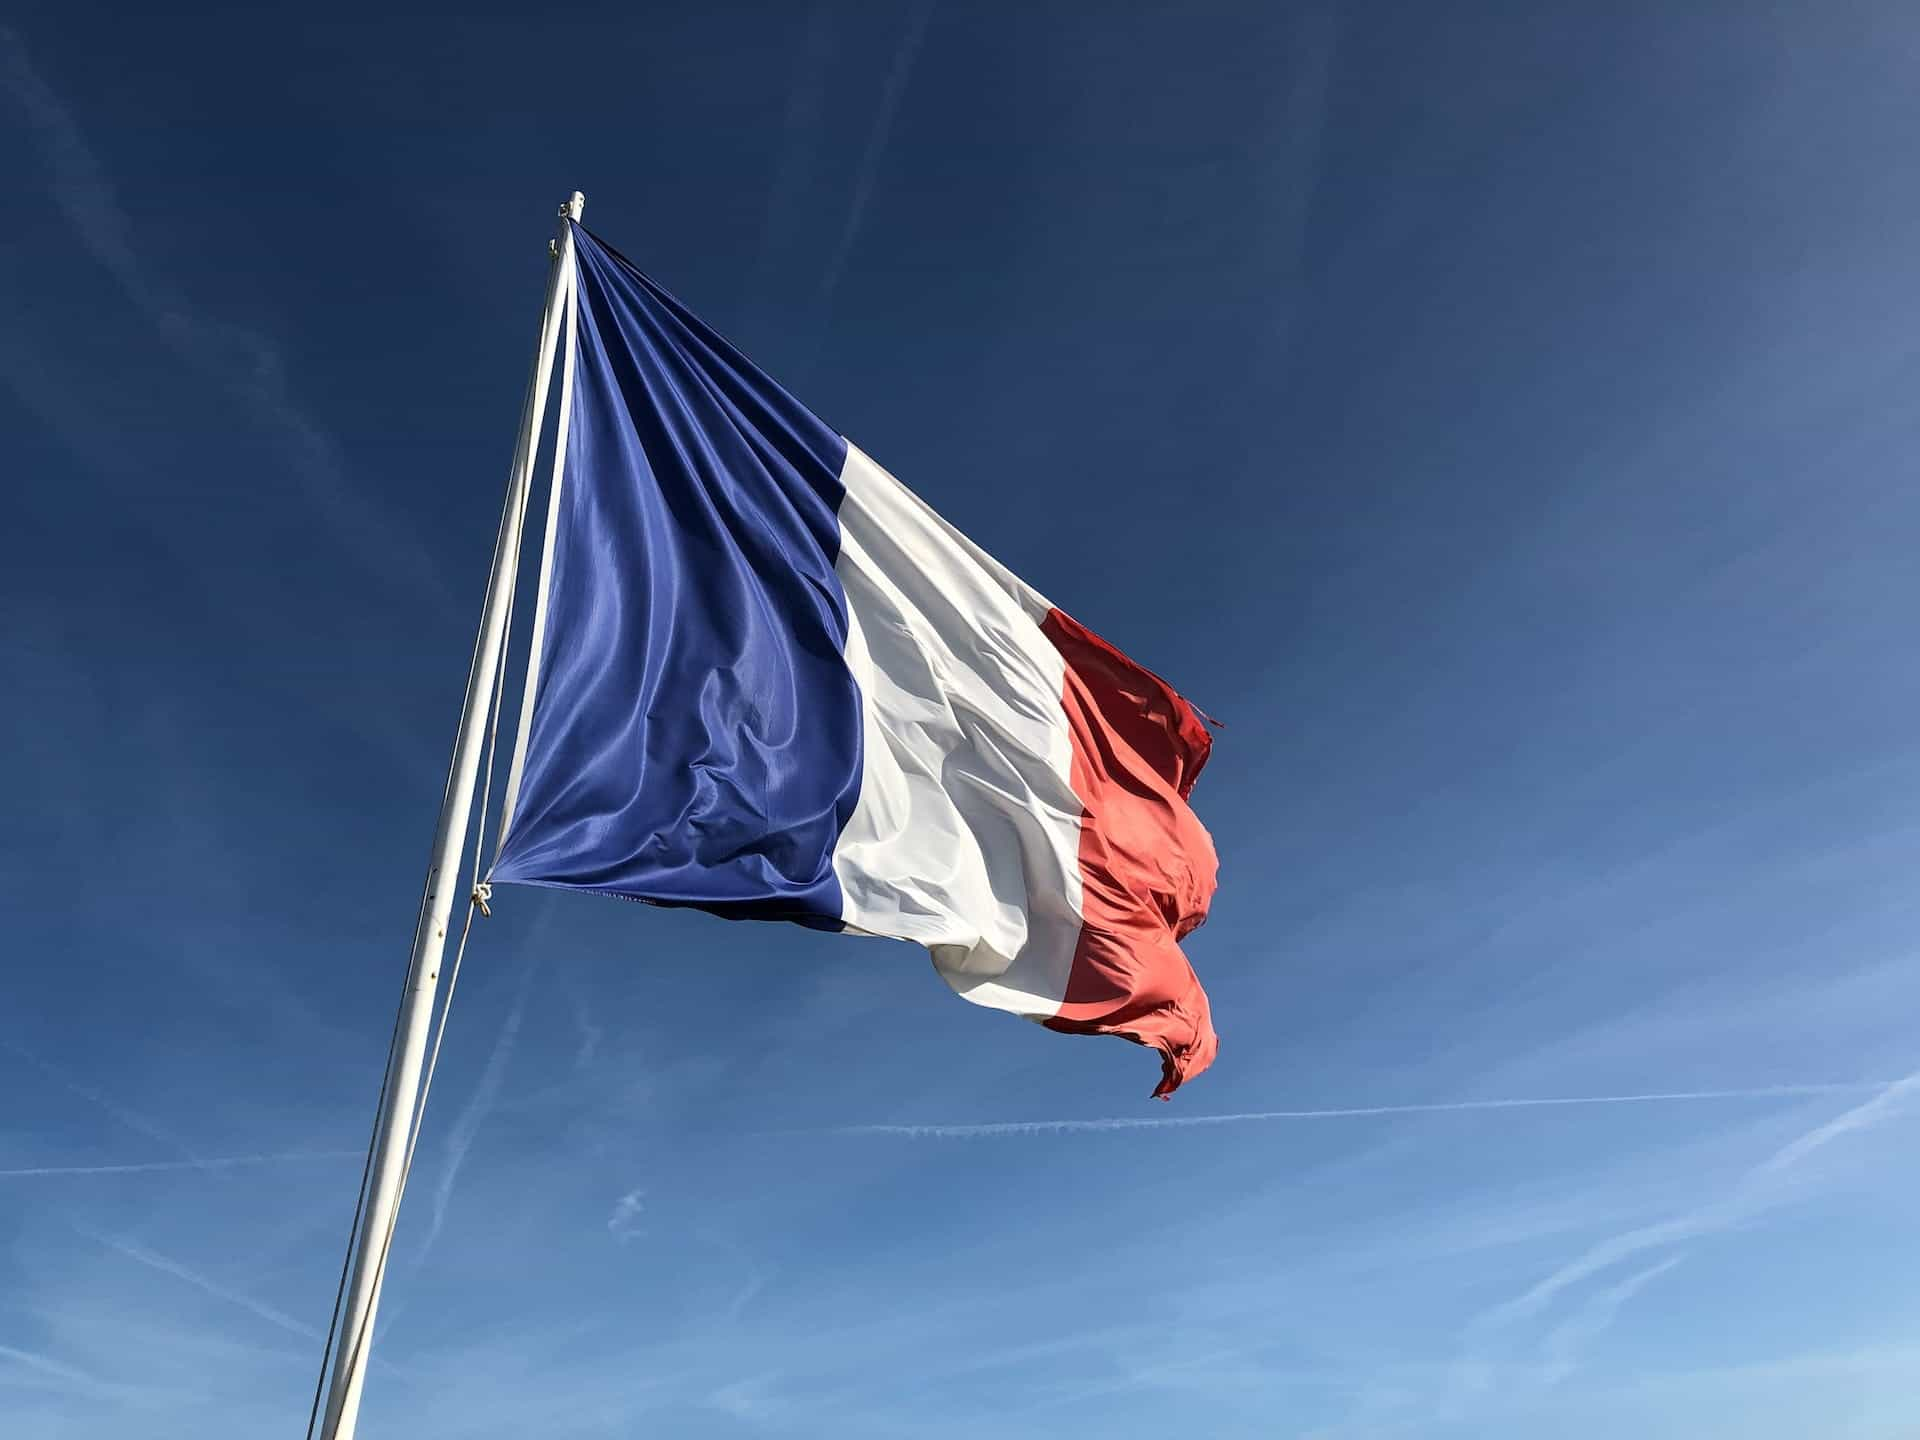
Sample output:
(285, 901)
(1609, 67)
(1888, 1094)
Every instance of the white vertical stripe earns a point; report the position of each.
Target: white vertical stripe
(966, 837)
(511, 799)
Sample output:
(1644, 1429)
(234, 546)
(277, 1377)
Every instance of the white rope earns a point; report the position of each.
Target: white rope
(419, 1111)
(510, 801)
(479, 898)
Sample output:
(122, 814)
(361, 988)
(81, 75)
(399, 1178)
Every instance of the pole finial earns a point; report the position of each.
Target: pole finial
(575, 204)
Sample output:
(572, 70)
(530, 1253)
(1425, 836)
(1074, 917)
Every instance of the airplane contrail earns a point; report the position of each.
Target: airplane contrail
(877, 136)
(143, 1167)
(166, 1265)
(1351, 1112)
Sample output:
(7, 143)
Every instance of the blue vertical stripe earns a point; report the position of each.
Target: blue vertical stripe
(696, 735)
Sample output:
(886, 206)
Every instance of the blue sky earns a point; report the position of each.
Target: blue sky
(1501, 416)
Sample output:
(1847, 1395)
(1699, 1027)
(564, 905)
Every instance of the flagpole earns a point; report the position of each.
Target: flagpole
(394, 1131)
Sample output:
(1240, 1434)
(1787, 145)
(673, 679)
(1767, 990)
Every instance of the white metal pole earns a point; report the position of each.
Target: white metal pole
(397, 1118)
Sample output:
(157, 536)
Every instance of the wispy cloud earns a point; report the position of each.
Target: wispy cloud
(244, 361)
(153, 1260)
(46, 1365)
(186, 1274)
(85, 194)
(591, 1034)
(1758, 1189)
(748, 1399)
(624, 1223)
(1882, 1107)
(998, 1128)
(1561, 1349)
(799, 140)
(149, 1167)
(474, 1114)
(869, 172)
(132, 1119)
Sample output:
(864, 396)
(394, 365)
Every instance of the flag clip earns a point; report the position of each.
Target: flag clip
(482, 893)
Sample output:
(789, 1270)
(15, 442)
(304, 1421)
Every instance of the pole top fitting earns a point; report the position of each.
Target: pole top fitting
(575, 204)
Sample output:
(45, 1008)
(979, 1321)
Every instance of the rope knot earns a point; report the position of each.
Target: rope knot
(482, 894)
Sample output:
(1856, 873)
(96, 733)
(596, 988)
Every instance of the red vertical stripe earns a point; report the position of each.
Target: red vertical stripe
(1147, 865)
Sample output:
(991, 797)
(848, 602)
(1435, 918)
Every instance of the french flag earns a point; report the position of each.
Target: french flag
(768, 681)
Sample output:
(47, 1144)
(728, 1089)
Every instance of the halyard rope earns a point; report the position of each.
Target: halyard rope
(479, 897)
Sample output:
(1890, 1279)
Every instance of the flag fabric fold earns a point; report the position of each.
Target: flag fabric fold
(774, 684)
